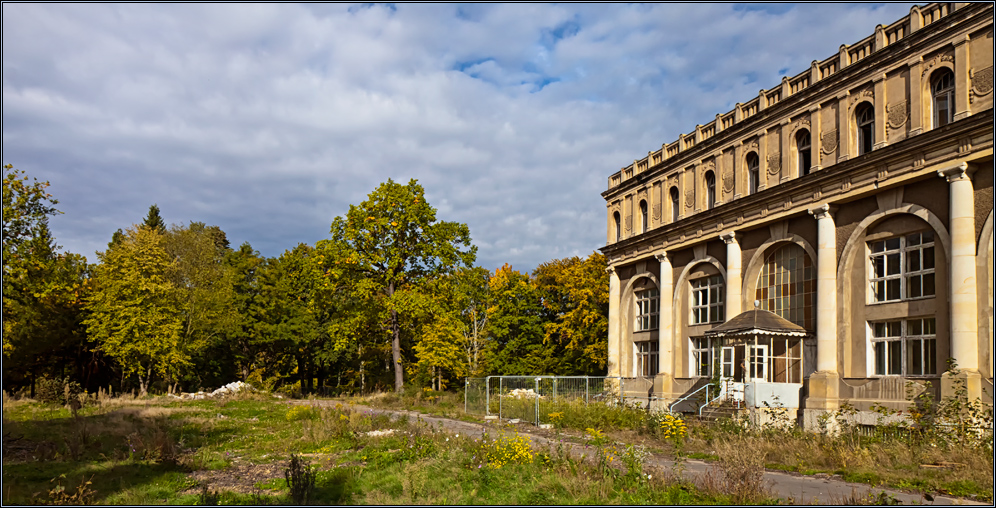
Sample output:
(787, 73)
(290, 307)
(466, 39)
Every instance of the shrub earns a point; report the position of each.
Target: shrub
(57, 391)
(300, 478)
(300, 412)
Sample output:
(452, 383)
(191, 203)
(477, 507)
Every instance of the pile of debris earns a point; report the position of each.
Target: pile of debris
(523, 393)
(229, 389)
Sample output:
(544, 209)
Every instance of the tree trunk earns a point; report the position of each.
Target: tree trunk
(399, 379)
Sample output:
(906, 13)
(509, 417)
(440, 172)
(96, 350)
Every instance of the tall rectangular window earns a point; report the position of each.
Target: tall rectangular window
(648, 304)
(702, 356)
(902, 268)
(905, 347)
(707, 300)
(647, 358)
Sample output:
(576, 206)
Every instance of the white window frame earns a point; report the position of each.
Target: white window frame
(648, 305)
(886, 339)
(948, 93)
(712, 309)
(647, 358)
(910, 250)
(701, 346)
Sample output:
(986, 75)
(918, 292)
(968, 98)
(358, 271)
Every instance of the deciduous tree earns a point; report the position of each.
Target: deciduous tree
(135, 312)
(389, 245)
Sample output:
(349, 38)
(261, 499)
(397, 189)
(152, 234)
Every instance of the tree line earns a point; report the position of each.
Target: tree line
(391, 299)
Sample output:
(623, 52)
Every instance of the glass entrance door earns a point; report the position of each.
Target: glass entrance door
(726, 359)
(757, 364)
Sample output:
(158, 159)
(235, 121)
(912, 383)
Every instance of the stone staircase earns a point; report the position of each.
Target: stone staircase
(725, 409)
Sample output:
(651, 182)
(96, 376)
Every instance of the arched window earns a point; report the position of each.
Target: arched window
(802, 145)
(865, 118)
(942, 94)
(787, 285)
(675, 205)
(643, 215)
(615, 219)
(710, 181)
(753, 173)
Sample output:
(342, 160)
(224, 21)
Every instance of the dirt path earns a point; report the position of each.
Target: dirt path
(791, 487)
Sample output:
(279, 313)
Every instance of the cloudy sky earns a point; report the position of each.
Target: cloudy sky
(268, 120)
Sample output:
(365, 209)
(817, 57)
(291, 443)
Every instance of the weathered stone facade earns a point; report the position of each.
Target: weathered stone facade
(854, 199)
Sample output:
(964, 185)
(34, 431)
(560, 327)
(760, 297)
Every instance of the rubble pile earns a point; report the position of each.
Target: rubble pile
(229, 389)
(523, 393)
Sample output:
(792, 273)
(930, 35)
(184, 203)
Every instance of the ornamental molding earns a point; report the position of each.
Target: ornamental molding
(861, 96)
(728, 181)
(657, 212)
(982, 82)
(828, 141)
(708, 166)
(689, 198)
(629, 223)
(898, 114)
(933, 62)
(774, 163)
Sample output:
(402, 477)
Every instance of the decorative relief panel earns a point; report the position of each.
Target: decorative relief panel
(689, 198)
(828, 142)
(629, 223)
(897, 115)
(728, 181)
(657, 211)
(982, 83)
(774, 163)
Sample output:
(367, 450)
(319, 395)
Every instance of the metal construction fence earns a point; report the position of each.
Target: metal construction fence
(533, 398)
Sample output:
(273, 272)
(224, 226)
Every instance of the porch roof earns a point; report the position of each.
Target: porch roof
(757, 321)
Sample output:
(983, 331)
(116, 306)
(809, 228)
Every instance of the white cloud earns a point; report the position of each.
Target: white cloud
(269, 119)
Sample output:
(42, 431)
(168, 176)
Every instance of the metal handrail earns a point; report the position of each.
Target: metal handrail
(686, 397)
(720, 395)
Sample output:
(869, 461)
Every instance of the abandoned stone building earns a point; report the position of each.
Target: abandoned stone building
(830, 239)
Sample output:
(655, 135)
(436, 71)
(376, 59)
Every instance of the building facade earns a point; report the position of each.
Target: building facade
(853, 200)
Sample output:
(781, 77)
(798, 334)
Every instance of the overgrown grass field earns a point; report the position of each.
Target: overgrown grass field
(162, 451)
(253, 449)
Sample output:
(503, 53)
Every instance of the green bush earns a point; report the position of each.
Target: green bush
(57, 391)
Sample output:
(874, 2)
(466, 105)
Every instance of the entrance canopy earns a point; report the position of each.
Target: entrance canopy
(758, 346)
(756, 322)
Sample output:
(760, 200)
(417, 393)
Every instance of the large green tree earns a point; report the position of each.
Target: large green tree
(390, 245)
(287, 326)
(26, 209)
(575, 298)
(515, 324)
(205, 285)
(135, 309)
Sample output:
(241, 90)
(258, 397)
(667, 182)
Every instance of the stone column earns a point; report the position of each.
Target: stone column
(962, 84)
(762, 155)
(843, 128)
(880, 115)
(824, 383)
(790, 168)
(816, 139)
(734, 280)
(916, 102)
(665, 335)
(614, 331)
(964, 313)
(739, 171)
